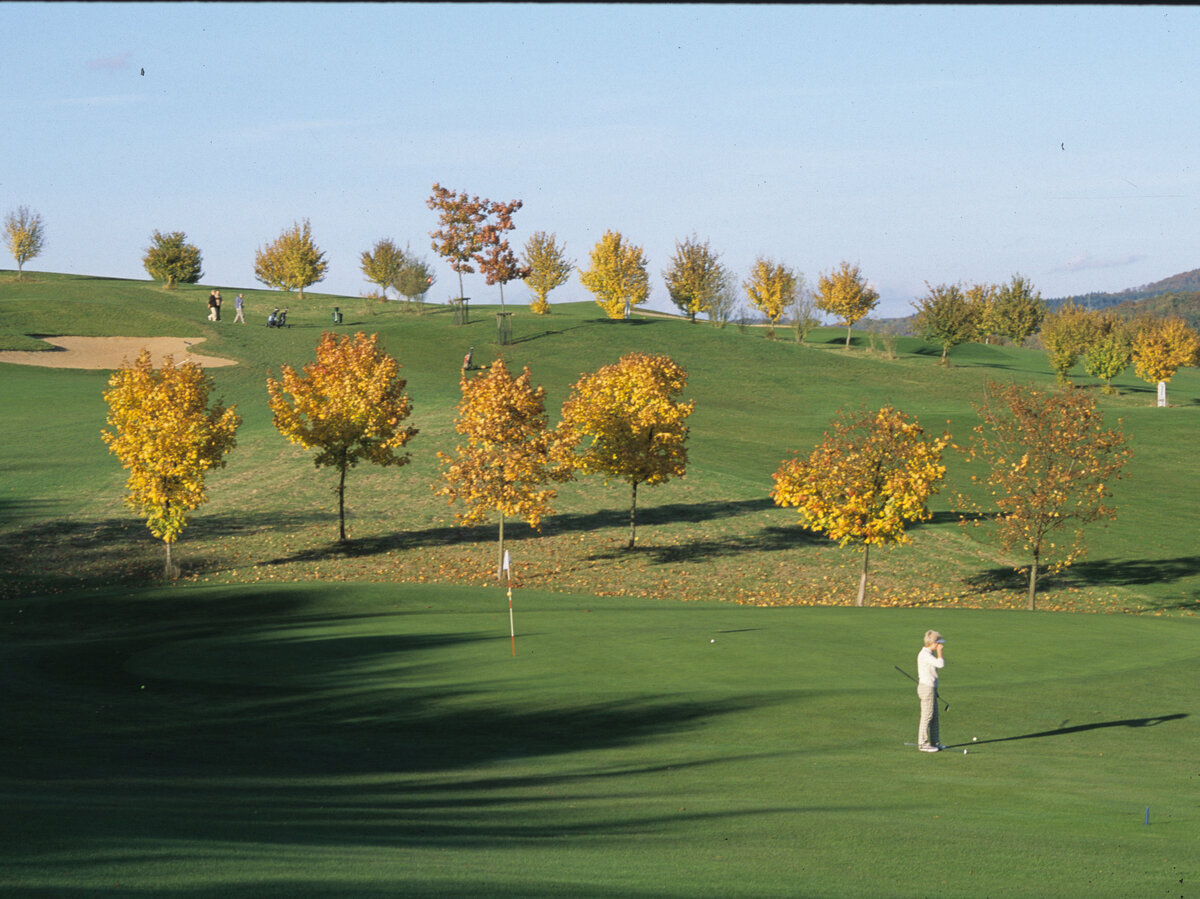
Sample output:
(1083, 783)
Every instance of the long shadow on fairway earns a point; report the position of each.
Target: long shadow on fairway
(1080, 728)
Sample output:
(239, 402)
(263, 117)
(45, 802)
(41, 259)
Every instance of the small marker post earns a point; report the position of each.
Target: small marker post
(512, 632)
(1147, 815)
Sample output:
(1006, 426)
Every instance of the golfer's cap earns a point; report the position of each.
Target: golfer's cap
(940, 640)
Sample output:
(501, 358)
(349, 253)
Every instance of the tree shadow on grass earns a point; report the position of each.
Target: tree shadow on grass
(1095, 573)
(769, 539)
(1082, 728)
(443, 535)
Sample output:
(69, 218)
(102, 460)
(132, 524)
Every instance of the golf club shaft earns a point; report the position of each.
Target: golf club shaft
(945, 704)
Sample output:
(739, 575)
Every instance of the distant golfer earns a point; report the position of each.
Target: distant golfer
(929, 661)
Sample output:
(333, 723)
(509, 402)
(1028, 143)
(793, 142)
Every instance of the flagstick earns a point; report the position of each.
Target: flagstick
(512, 632)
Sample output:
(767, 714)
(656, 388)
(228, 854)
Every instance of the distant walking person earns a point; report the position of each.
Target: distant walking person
(237, 305)
(929, 662)
(212, 305)
(217, 295)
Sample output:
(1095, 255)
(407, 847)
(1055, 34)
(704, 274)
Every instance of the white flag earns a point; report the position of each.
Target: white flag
(506, 561)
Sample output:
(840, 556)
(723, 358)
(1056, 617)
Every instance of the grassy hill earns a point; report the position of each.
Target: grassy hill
(299, 718)
(713, 534)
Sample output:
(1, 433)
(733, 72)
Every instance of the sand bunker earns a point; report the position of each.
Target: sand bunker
(110, 352)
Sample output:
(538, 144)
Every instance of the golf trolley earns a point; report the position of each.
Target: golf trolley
(277, 319)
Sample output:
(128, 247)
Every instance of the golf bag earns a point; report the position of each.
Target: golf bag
(277, 319)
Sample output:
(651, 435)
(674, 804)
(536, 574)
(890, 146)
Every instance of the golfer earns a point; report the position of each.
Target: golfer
(929, 661)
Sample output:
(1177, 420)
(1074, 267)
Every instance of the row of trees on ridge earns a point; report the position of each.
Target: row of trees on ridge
(1049, 459)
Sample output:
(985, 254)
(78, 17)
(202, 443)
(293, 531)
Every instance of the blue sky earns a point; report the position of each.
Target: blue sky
(925, 143)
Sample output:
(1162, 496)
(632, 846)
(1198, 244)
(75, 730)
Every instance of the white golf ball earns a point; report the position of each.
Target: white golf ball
(712, 641)
(973, 739)
(964, 752)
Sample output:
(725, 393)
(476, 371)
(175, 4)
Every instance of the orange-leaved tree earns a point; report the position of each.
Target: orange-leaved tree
(497, 261)
(349, 405)
(168, 436)
(617, 277)
(627, 422)
(846, 294)
(460, 237)
(1050, 464)
(1161, 348)
(510, 456)
(872, 474)
(772, 288)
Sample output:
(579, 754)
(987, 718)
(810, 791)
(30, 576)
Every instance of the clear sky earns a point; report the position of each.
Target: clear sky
(925, 143)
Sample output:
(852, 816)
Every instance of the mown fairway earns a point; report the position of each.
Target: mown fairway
(382, 740)
(296, 717)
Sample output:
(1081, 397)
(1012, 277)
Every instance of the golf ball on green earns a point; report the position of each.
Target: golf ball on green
(964, 752)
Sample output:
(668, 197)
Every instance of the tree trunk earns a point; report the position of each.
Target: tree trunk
(633, 517)
(500, 561)
(848, 329)
(1033, 569)
(341, 492)
(168, 569)
(862, 578)
(501, 296)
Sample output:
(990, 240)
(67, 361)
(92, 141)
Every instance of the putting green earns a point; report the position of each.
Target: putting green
(346, 739)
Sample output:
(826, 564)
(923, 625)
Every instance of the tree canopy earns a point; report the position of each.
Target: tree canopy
(349, 405)
(846, 294)
(292, 261)
(617, 276)
(169, 437)
(172, 260)
(547, 267)
(24, 235)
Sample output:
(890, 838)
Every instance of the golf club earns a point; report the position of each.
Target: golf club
(945, 705)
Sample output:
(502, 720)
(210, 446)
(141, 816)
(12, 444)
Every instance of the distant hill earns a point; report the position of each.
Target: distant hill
(1185, 283)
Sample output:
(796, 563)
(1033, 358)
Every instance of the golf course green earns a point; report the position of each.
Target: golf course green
(705, 715)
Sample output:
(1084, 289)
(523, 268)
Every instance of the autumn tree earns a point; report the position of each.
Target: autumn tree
(1110, 350)
(946, 316)
(1018, 310)
(1161, 347)
(548, 267)
(383, 263)
(24, 235)
(982, 299)
(725, 298)
(349, 405)
(414, 278)
(292, 261)
(628, 423)
(617, 276)
(771, 288)
(869, 478)
(169, 437)
(172, 260)
(1050, 463)
(497, 261)
(510, 456)
(460, 239)
(846, 294)
(1065, 334)
(694, 276)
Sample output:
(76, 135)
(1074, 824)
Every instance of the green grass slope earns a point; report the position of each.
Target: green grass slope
(335, 740)
(712, 534)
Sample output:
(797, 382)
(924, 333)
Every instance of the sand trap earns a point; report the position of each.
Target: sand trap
(110, 352)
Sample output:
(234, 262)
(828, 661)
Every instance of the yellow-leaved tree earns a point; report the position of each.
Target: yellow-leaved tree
(349, 405)
(548, 267)
(872, 474)
(24, 235)
(292, 261)
(617, 277)
(772, 288)
(510, 456)
(168, 436)
(627, 422)
(846, 294)
(1161, 348)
